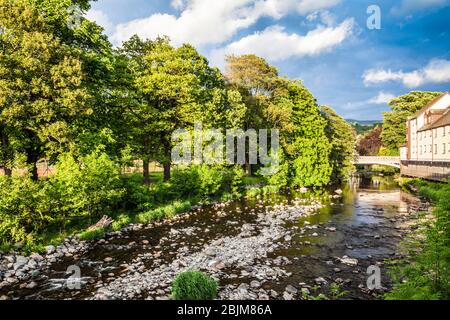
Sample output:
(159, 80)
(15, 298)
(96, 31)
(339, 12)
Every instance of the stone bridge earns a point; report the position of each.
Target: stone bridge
(384, 161)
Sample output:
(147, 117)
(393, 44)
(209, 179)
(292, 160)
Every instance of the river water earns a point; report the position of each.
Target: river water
(252, 254)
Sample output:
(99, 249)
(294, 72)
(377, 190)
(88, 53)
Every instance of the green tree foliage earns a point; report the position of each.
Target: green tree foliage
(286, 105)
(394, 123)
(343, 140)
(306, 144)
(194, 285)
(41, 80)
(86, 187)
(173, 88)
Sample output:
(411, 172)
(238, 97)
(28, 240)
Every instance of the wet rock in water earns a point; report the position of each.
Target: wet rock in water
(145, 242)
(331, 229)
(348, 261)
(108, 259)
(50, 249)
(20, 262)
(255, 284)
(31, 285)
(337, 270)
(338, 191)
(320, 281)
(287, 296)
(291, 289)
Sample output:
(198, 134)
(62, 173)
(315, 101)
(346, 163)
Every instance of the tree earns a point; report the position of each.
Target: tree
(343, 140)
(394, 124)
(308, 147)
(41, 80)
(370, 144)
(173, 88)
(257, 81)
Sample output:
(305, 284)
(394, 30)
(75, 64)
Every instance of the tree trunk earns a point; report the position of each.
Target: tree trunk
(166, 171)
(5, 147)
(32, 159)
(8, 171)
(146, 172)
(249, 169)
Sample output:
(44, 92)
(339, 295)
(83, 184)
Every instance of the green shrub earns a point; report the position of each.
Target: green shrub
(186, 183)
(426, 274)
(87, 187)
(198, 181)
(137, 196)
(25, 208)
(95, 234)
(164, 212)
(194, 285)
(120, 222)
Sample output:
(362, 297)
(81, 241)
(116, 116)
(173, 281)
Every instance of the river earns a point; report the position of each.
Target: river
(279, 247)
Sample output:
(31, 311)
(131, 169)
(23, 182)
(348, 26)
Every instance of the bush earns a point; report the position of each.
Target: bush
(25, 208)
(89, 187)
(164, 212)
(426, 275)
(194, 285)
(137, 196)
(199, 181)
(89, 235)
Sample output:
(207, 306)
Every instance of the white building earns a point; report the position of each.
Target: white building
(428, 132)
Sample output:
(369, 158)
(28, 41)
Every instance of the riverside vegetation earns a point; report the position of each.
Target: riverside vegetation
(90, 109)
(425, 275)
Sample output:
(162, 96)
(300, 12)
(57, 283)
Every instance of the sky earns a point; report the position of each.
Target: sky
(349, 64)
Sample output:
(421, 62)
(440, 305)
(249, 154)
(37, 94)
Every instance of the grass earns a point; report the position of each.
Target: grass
(55, 235)
(194, 285)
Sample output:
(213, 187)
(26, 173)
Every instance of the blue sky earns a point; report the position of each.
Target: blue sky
(325, 43)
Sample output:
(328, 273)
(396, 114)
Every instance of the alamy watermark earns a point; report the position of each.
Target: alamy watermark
(374, 279)
(200, 146)
(74, 281)
(374, 19)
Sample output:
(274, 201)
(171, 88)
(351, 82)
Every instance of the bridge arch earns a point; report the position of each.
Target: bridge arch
(375, 160)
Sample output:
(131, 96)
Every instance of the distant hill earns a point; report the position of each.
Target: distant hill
(364, 122)
(363, 126)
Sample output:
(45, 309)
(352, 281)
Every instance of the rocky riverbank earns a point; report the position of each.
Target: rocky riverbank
(279, 247)
(246, 254)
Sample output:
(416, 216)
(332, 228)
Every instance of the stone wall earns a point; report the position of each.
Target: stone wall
(436, 171)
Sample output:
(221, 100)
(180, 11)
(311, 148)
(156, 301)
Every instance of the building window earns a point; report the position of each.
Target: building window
(443, 131)
(431, 148)
(435, 149)
(420, 149)
(443, 148)
(431, 134)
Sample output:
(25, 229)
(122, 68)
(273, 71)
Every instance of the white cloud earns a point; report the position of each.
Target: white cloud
(382, 98)
(178, 4)
(276, 44)
(436, 71)
(204, 22)
(101, 19)
(408, 6)
(326, 17)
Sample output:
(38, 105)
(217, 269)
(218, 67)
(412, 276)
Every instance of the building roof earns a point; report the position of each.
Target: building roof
(441, 122)
(427, 106)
